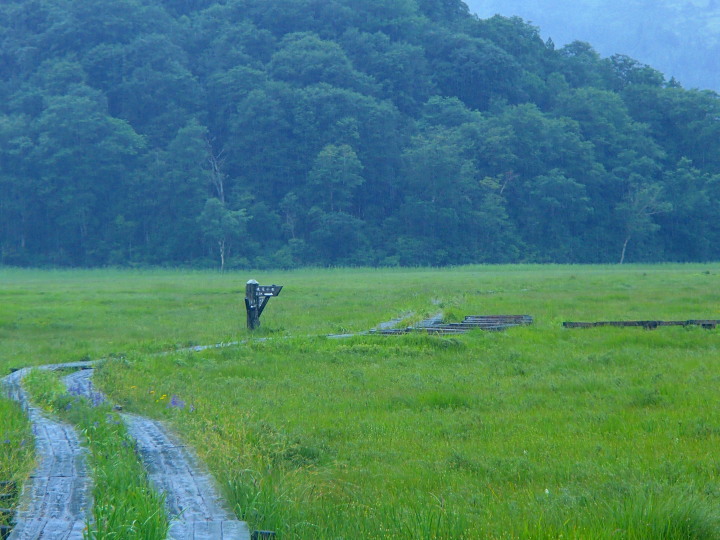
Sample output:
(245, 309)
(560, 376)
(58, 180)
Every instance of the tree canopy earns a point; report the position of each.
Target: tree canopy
(281, 133)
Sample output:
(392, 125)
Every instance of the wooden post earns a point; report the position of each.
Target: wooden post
(252, 304)
(256, 298)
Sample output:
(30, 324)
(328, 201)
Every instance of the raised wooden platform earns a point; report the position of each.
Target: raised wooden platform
(471, 322)
(708, 324)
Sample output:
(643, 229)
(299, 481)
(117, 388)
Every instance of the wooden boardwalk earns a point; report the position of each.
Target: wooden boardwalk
(708, 324)
(56, 503)
(435, 325)
(195, 509)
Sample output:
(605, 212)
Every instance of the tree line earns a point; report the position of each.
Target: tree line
(282, 133)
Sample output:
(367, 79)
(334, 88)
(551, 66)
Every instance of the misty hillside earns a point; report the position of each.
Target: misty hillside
(283, 133)
(681, 38)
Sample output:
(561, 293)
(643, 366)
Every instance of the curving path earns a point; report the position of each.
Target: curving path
(57, 501)
(194, 507)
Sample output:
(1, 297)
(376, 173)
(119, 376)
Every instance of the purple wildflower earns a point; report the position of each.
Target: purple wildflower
(97, 399)
(176, 402)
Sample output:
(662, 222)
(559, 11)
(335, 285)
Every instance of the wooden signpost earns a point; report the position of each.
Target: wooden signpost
(256, 298)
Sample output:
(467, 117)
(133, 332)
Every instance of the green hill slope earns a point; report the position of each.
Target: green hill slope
(280, 133)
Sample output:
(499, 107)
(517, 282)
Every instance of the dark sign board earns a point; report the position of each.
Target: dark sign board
(269, 290)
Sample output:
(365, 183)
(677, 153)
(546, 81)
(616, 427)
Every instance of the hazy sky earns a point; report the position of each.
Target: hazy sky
(680, 38)
(556, 25)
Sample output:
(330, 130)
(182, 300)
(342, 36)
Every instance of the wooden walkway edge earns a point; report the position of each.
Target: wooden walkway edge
(708, 324)
(195, 509)
(435, 325)
(57, 501)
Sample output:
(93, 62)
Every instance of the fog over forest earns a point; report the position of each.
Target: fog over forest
(681, 38)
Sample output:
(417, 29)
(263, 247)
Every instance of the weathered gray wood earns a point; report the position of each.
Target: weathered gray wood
(499, 319)
(207, 530)
(194, 506)
(48, 529)
(256, 298)
(430, 321)
(434, 325)
(251, 304)
(704, 323)
(57, 500)
(191, 497)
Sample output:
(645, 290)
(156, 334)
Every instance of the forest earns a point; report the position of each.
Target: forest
(288, 133)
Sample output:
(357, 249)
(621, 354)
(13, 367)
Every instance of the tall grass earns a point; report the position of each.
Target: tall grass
(537, 432)
(530, 433)
(16, 454)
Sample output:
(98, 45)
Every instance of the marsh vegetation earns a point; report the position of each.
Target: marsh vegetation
(536, 432)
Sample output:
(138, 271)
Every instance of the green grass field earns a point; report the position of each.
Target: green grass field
(537, 432)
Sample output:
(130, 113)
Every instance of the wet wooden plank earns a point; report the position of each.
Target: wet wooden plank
(57, 500)
(435, 326)
(194, 506)
(651, 324)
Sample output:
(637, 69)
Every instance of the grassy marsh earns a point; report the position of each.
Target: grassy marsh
(532, 433)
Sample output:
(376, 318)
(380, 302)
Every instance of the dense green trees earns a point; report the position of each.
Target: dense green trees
(290, 132)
